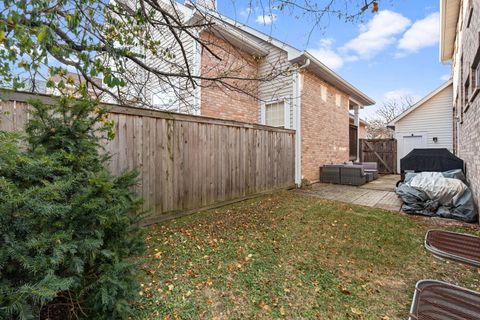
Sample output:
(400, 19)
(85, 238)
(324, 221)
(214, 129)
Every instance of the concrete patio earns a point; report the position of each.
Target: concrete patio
(379, 193)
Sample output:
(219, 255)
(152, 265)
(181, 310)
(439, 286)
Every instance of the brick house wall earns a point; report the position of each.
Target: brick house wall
(324, 126)
(324, 109)
(219, 101)
(467, 133)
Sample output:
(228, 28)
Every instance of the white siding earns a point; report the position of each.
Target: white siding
(281, 86)
(434, 118)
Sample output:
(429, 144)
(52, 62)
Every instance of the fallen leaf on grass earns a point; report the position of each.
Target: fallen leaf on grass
(282, 311)
(355, 311)
(264, 306)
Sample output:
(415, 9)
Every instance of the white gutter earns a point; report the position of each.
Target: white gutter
(334, 79)
(297, 121)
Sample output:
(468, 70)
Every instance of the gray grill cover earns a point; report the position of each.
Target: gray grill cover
(441, 194)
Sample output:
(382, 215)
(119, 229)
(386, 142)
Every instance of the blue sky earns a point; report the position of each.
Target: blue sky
(387, 54)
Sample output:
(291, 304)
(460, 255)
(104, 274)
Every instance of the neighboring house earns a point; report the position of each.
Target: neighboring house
(286, 88)
(460, 44)
(71, 83)
(427, 124)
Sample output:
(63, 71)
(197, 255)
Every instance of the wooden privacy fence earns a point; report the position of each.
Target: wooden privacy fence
(381, 151)
(185, 162)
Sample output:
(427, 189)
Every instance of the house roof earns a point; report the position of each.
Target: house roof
(294, 56)
(421, 102)
(449, 13)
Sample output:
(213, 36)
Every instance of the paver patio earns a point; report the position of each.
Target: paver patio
(378, 194)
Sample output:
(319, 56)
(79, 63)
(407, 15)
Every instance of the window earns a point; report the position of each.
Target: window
(469, 13)
(475, 75)
(462, 92)
(466, 93)
(275, 114)
(165, 97)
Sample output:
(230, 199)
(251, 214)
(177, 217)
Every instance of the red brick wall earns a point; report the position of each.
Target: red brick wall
(324, 127)
(219, 101)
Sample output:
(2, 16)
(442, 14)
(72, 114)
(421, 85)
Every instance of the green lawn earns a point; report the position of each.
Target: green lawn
(288, 256)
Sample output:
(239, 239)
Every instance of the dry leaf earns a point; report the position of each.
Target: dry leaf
(355, 311)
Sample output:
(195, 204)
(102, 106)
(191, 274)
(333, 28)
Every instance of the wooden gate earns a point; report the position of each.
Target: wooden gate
(381, 151)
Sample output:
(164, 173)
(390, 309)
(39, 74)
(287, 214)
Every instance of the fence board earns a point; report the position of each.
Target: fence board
(382, 151)
(185, 162)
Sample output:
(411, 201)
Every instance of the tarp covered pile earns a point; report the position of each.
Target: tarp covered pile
(438, 194)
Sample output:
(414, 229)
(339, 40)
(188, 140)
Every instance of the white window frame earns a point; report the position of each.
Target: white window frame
(286, 110)
(175, 106)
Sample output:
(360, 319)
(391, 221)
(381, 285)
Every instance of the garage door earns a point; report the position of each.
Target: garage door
(412, 142)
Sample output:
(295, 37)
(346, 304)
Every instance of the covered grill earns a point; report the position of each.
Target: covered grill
(431, 160)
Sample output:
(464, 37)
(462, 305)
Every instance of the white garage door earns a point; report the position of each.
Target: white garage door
(412, 142)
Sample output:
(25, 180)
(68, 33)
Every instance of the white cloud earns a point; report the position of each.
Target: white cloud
(399, 94)
(377, 34)
(423, 33)
(326, 54)
(266, 19)
(445, 77)
(246, 12)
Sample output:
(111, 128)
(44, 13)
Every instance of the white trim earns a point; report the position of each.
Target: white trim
(333, 78)
(262, 113)
(421, 102)
(286, 110)
(449, 14)
(296, 125)
(197, 62)
(356, 122)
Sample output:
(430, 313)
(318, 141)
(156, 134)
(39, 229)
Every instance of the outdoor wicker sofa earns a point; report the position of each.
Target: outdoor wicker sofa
(369, 167)
(330, 173)
(355, 174)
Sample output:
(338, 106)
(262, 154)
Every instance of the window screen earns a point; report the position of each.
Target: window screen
(275, 114)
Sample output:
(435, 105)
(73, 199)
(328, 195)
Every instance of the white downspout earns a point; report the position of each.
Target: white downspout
(197, 61)
(297, 121)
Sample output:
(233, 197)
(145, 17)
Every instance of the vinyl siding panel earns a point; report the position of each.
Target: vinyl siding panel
(434, 117)
(281, 86)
